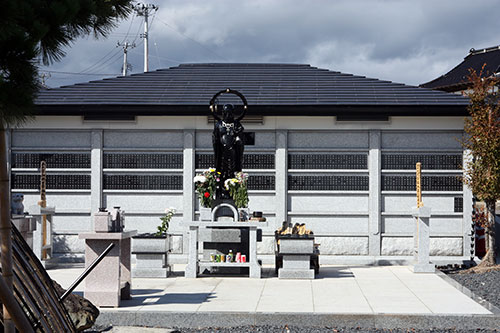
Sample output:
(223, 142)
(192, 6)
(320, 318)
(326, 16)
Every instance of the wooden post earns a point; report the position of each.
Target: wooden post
(419, 186)
(43, 203)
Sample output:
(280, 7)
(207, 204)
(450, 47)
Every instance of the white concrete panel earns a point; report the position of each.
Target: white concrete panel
(267, 246)
(404, 203)
(419, 140)
(68, 244)
(203, 139)
(149, 223)
(328, 139)
(446, 224)
(264, 139)
(446, 246)
(143, 139)
(328, 203)
(342, 245)
(263, 202)
(71, 223)
(147, 202)
(398, 224)
(51, 139)
(438, 224)
(439, 246)
(397, 246)
(64, 202)
(326, 225)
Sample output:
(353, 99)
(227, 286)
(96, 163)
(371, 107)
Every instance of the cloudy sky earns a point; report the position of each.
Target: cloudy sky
(404, 41)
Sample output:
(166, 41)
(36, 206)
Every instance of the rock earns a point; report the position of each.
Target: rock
(81, 311)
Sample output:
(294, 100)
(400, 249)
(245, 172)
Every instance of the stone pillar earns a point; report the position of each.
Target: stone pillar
(421, 238)
(191, 270)
(96, 166)
(467, 212)
(187, 183)
(281, 165)
(374, 167)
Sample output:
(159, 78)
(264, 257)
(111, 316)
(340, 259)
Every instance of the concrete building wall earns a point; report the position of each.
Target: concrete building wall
(360, 224)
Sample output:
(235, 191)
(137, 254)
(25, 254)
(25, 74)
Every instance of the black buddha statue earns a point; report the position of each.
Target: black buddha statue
(227, 140)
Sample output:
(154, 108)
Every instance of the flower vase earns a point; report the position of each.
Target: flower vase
(205, 214)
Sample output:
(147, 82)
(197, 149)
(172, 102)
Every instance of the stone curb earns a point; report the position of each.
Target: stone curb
(234, 319)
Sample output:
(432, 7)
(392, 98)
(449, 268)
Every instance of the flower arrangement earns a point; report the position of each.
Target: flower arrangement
(206, 184)
(237, 188)
(165, 220)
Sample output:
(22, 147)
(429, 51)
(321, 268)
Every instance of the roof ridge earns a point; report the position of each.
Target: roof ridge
(473, 51)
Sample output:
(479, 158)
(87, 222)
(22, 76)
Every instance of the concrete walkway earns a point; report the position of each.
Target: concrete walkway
(338, 290)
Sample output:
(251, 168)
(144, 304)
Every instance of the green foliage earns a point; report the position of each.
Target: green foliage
(165, 221)
(39, 30)
(237, 188)
(205, 186)
(482, 173)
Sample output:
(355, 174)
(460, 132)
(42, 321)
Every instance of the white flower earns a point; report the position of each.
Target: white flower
(200, 179)
(169, 211)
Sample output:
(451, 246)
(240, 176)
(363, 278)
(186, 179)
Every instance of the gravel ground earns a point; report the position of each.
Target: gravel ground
(485, 285)
(272, 329)
(292, 329)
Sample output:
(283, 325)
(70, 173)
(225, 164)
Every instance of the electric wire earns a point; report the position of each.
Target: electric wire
(73, 73)
(193, 40)
(88, 69)
(110, 61)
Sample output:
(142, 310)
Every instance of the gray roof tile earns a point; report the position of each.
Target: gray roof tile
(267, 87)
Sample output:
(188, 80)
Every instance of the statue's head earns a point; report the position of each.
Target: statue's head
(228, 112)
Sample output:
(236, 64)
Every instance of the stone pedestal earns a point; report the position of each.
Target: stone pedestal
(39, 248)
(296, 254)
(26, 225)
(232, 231)
(110, 280)
(151, 254)
(421, 238)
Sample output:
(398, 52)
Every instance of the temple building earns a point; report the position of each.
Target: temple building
(456, 80)
(332, 150)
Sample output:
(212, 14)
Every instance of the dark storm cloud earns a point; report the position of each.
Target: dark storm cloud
(402, 41)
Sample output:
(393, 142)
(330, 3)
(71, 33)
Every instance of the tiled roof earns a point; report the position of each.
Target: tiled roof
(456, 79)
(271, 89)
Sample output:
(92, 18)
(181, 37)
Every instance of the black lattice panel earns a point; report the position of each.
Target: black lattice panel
(327, 161)
(430, 162)
(142, 182)
(250, 161)
(54, 182)
(143, 161)
(53, 160)
(261, 183)
(328, 183)
(429, 183)
(458, 204)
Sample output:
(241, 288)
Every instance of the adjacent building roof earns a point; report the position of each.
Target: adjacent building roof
(271, 89)
(456, 79)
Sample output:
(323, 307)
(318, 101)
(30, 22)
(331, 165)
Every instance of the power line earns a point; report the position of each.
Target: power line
(88, 69)
(163, 58)
(193, 40)
(75, 73)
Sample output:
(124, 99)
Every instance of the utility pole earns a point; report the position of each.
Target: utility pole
(144, 10)
(125, 47)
